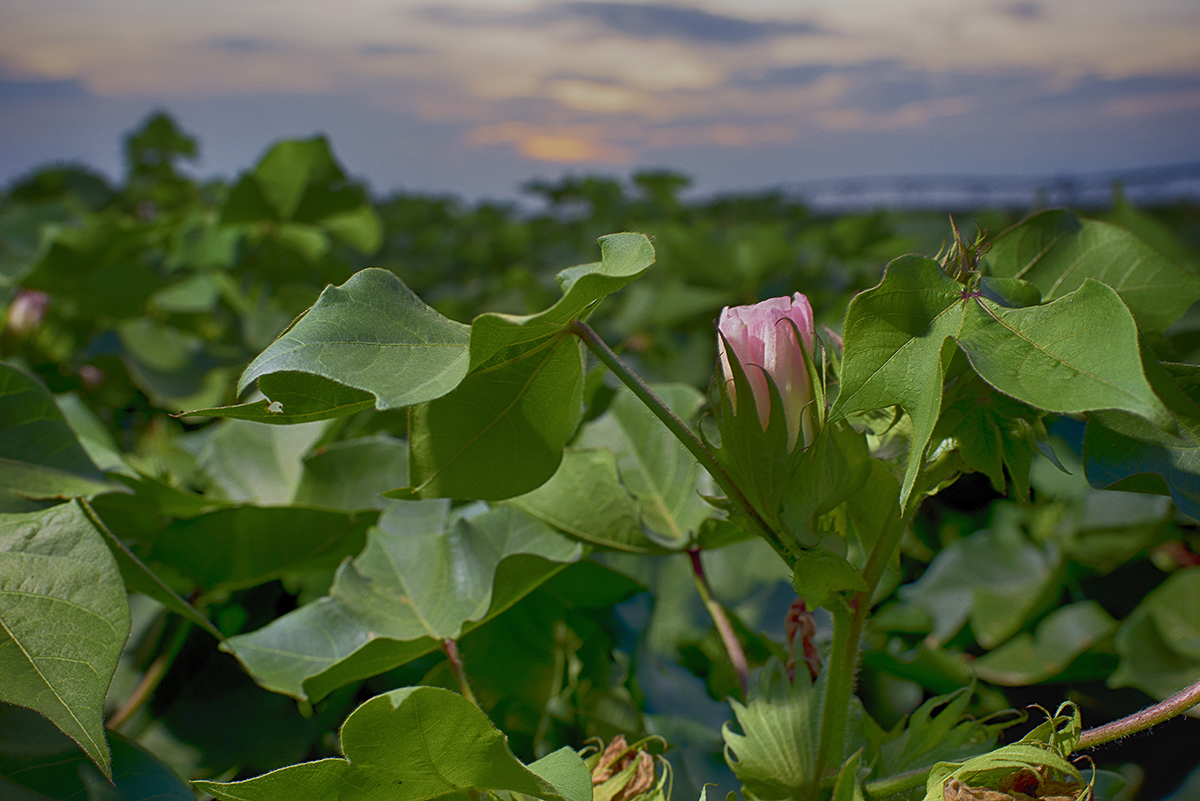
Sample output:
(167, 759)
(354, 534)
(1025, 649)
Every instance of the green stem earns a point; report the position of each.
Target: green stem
(1177, 704)
(850, 618)
(839, 686)
(677, 427)
(733, 646)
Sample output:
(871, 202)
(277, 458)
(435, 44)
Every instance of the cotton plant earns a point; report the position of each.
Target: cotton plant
(949, 365)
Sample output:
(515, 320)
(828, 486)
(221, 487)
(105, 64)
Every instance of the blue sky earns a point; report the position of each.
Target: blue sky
(475, 97)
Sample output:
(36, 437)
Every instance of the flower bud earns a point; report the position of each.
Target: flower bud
(765, 344)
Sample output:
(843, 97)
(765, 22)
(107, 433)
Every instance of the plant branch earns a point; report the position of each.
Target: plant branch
(677, 427)
(456, 667)
(733, 646)
(1177, 704)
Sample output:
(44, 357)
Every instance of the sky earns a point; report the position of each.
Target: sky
(476, 97)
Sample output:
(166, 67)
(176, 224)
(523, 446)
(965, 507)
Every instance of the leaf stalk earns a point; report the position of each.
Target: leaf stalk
(450, 647)
(733, 646)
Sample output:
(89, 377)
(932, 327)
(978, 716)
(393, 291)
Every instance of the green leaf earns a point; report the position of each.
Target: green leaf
(64, 619)
(139, 577)
(37, 762)
(421, 579)
(1057, 252)
(1078, 353)
(40, 455)
(96, 440)
(296, 398)
(450, 750)
(1034, 658)
(897, 348)
(247, 462)
(623, 257)
(246, 546)
(1120, 449)
(585, 499)
(282, 181)
(1159, 643)
(654, 466)
(995, 578)
(501, 432)
(1046, 748)
(1075, 354)
(176, 369)
(372, 334)
(353, 474)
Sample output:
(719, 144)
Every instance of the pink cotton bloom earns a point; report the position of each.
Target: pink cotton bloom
(765, 344)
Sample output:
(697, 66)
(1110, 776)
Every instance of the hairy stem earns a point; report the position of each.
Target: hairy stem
(1177, 704)
(849, 619)
(733, 646)
(839, 686)
(456, 667)
(677, 427)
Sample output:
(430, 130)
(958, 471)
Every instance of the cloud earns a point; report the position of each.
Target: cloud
(649, 20)
(570, 144)
(1024, 10)
(386, 49)
(799, 75)
(246, 45)
(22, 91)
(637, 20)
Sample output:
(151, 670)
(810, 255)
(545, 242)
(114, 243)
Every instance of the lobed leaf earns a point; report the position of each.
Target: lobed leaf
(370, 335)
(898, 343)
(1057, 252)
(1075, 354)
(501, 431)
